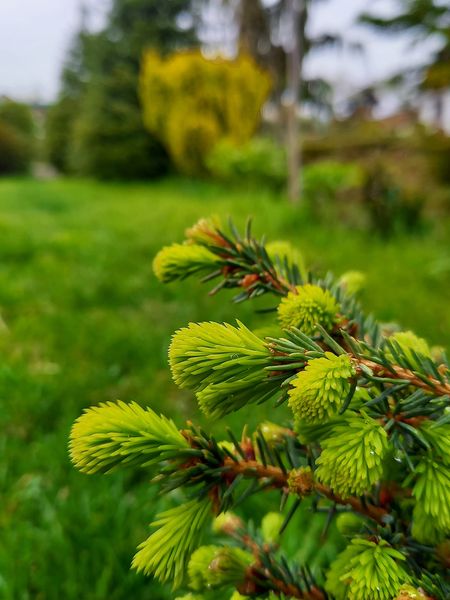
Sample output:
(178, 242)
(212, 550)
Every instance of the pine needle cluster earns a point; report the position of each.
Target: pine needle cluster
(374, 570)
(223, 364)
(352, 456)
(182, 260)
(364, 437)
(177, 534)
(319, 391)
(115, 433)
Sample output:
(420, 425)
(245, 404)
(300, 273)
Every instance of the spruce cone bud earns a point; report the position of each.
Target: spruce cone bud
(301, 481)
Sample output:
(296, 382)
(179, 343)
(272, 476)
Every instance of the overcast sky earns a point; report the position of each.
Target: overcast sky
(35, 34)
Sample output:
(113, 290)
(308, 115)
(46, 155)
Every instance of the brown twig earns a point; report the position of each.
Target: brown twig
(434, 386)
(279, 283)
(376, 513)
(254, 469)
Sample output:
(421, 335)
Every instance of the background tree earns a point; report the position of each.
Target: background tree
(107, 136)
(256, 37)
(426, 19)
(277, 35)
(63, 113)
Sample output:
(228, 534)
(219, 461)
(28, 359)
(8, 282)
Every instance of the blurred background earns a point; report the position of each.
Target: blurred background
(124, 121)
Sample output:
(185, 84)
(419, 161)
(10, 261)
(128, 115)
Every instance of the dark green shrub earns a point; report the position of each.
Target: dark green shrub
(16, 136)
(18, 116)
(15, 151)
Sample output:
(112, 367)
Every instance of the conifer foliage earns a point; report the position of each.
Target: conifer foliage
(369, 440)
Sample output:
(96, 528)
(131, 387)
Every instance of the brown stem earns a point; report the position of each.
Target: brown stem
(376, 513)
(433, 386)
(252, 468)
(279, 283)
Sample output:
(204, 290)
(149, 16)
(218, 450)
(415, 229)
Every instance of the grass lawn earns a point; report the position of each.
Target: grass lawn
(84, 320)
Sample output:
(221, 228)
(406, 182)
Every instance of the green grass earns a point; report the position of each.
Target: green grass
(85, 321)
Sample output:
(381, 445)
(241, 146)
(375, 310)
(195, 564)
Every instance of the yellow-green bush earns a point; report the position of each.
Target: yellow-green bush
(190, 103)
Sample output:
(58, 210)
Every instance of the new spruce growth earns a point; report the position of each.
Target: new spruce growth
(317, 392)
(361, 452)
(307, 306)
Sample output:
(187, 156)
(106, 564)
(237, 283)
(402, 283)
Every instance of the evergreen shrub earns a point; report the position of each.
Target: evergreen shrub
(367, 441)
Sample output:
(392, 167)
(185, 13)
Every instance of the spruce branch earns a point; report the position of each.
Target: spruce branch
(371, 434)
(255, 268)
(301, 485)
(402, 357)
(437, 387)
(246, 264)
(242, 261)
(222, 472)
(229, 367)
